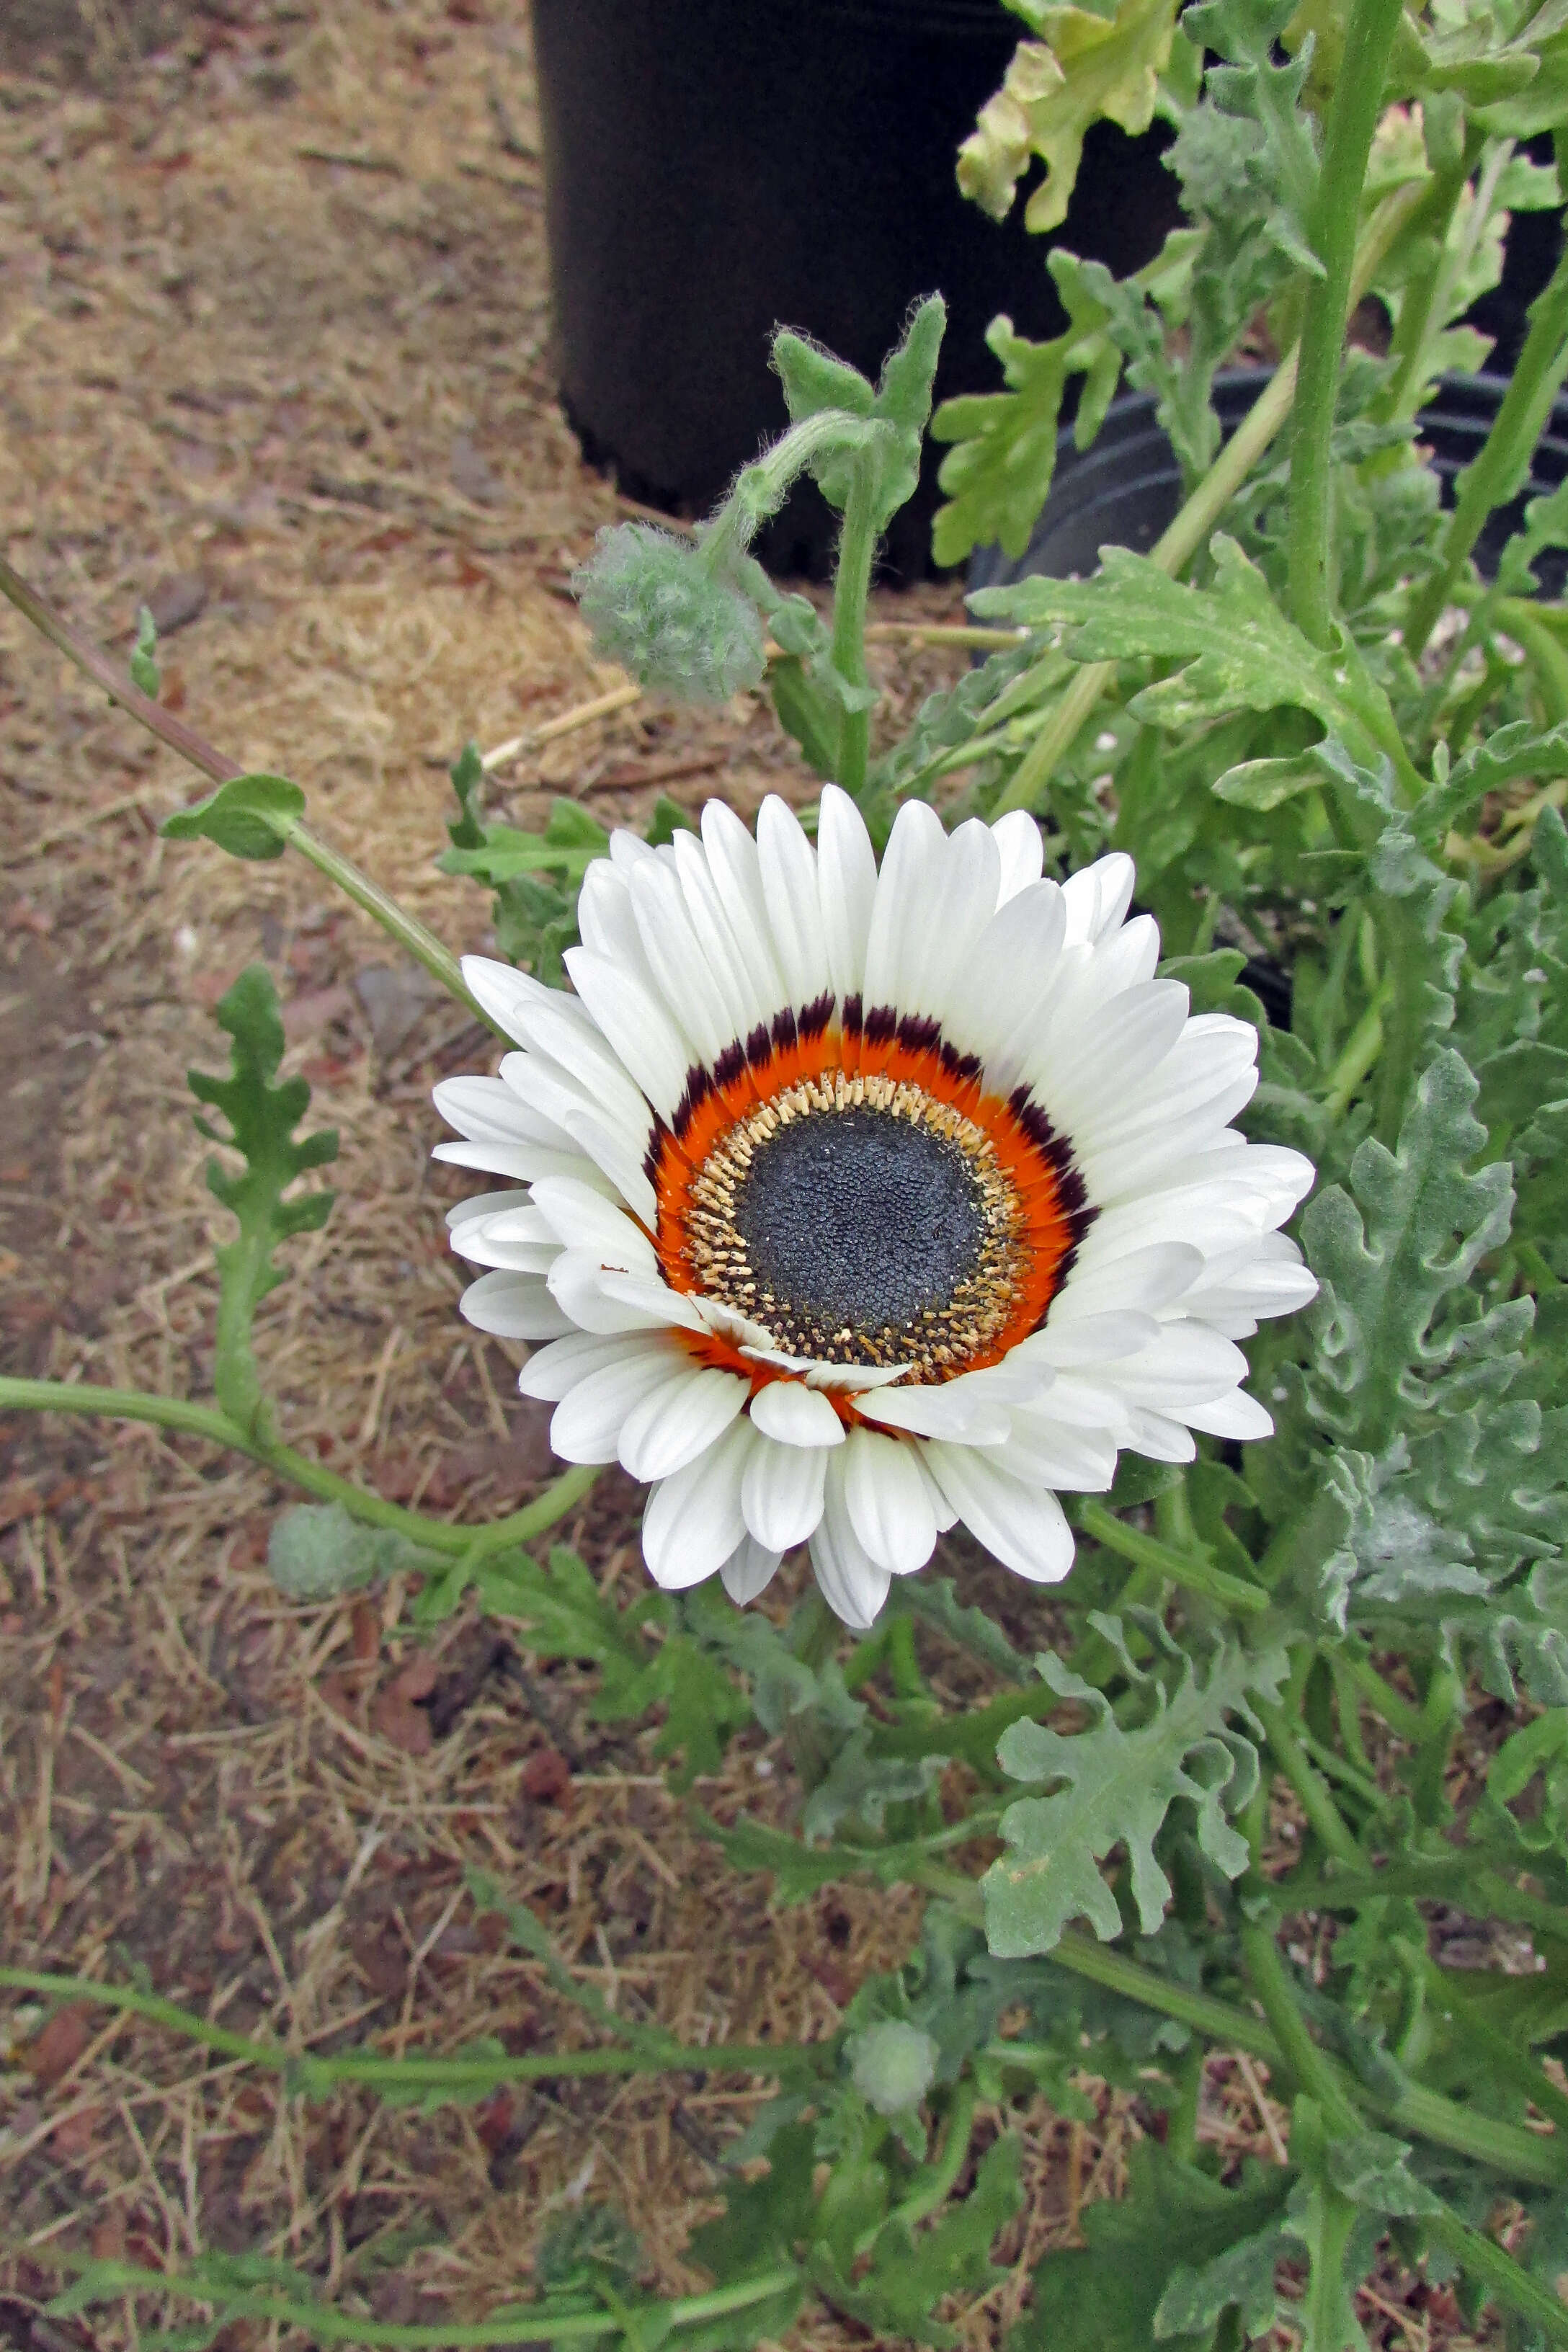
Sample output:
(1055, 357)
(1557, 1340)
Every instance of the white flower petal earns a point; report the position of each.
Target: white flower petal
(636, 1024)
(513, 1306)
(847, 887)
(781, 1495)
(580, 1218)
(679, 1419)
(1237, 1415)
(1143, 1281)
(889, 1506)
(687, 983)
(487, 1110)
(794, 1415)
(788, 875)
(586, 1424)
(693, 1522)
(752, 994)
(1021, 1526)
(503, 992)
(748, 1571)
(905, 909)
(939, 1409)
(852, 1584)
(597, 1298)
(1021, 852)
(1097, 897)
(555, 1371)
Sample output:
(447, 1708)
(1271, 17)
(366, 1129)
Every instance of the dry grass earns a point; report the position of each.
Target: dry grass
(307, 403)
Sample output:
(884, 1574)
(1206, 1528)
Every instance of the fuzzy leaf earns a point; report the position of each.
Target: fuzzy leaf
(814, 381)
(1389, 1251)
(250, 816)
(1114, 1785)
(535, 876)
(261, 1118)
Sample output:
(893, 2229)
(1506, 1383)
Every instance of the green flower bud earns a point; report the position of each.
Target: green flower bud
(677, 622)
(893, 2066)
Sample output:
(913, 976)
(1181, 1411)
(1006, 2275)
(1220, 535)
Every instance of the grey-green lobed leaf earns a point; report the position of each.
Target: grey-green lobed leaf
(1113, 1786)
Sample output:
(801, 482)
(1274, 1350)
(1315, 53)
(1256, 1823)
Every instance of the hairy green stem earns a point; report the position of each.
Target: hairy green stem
(1199, 515)
(211, 1422)
(406, 929)
(314, 2076)
(851, 586)
(1353, 118)
(1172, 1567)
(1458, 1880)
(760, 489)
(520, 2325)
(1505, 453)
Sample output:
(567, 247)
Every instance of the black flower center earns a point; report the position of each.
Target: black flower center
(858, 1221)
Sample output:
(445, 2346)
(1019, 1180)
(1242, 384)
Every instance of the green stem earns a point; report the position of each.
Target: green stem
(1504, 455)
(374, 1510)
(1508, 2283)
(1202, 511)
(1172, 1567)
(1352, 1661)
(1312, 1791)
(1353, 118)
(760, 489)
(521, 2324)
(933, 2183)
(406, 929)
(314, 2077)
(1483, 1891)
(1504, 2148)
(851, 586)
(1513, 2065)
(1359, 1055)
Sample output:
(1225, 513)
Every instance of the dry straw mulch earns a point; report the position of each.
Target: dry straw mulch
(274, 358)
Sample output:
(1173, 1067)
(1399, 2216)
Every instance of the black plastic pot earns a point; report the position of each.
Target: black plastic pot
(1126, 487)
(715, 168)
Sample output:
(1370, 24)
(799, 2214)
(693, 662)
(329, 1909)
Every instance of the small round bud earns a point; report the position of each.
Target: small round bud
(893, 2066)
(673, 620)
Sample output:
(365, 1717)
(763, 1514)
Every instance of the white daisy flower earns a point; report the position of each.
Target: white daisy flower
(851, 1205)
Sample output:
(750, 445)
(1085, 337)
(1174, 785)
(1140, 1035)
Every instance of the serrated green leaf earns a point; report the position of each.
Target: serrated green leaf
(1241, 2279)
(1519, 752)
(250, 816)
(1114, 1787)
(1087, 66)
(1237, 649)
(261, 1118)
(1172, 2222)
(859, 1786)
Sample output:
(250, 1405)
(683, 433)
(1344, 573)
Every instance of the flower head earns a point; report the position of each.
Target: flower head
(670, 617)
(854, 1203)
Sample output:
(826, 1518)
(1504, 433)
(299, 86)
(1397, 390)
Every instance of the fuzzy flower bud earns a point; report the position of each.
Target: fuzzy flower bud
(893, 2066)
(673, 619)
